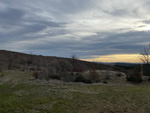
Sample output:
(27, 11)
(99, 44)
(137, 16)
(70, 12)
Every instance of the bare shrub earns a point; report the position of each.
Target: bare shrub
(94, 76)
(135, 76)
(68, 77)
(54, 70)
(107, 76)
(105, 82)
(53, 73)
(118, 74)
(65, 65)
(36, 74)
(79, 67)
(42, 74)
(81, 78)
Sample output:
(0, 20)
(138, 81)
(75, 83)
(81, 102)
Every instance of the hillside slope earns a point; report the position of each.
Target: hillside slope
(15, 60)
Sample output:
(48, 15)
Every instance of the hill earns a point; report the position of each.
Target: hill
(15, 60)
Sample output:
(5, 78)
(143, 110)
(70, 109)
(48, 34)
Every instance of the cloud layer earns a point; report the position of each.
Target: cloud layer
(88, 28)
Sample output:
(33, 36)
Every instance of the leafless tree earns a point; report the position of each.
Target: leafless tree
(145, 55)
(145, 58)
(74, 61)
(10, 61)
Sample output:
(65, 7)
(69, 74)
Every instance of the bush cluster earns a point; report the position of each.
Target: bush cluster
(134, 79)
(135, 76)
(65, 71)
(83, 79)
(94, 76)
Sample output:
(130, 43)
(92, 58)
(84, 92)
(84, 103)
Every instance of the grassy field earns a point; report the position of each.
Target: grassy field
(20, 94)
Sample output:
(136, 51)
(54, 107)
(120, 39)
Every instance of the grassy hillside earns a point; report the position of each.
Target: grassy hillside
(20, 93)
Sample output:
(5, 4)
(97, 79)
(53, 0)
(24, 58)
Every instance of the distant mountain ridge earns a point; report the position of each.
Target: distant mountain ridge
(122, 64)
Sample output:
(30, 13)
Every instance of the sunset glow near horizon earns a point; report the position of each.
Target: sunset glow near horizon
(94, 30)
(127, 58)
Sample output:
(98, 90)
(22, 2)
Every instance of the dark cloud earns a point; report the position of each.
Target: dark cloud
(10, 13)
(133, 47)
(15, 26)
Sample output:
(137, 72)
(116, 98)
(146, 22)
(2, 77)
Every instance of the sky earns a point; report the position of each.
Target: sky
(94, 30)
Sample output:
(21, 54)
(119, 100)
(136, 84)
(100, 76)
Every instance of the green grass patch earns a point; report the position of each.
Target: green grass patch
(33, 97)
(74, 98)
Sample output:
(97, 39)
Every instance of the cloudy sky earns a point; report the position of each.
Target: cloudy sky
(95, 30)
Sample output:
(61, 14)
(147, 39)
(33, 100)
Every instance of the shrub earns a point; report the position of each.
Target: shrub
(42, 74)
(94, 76)
(135, 76)
(107, 76)
(65, 65)
(35, 74)
(105, 82)
(51, 71)
(1, 74)
(118, 75)
(81, 78)
(68, 77)
(57, 77)
(134, 79)
(79, 67)
(146, 70)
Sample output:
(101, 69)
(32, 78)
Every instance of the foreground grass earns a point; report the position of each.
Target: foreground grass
(19, 94)
(74, 98)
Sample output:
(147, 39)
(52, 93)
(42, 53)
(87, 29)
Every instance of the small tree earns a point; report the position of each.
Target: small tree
(145, 55)
(145, 58)
(74, 61)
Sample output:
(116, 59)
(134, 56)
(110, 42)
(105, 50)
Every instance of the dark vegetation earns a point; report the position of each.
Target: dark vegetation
(146, 69)
(14, 60)
(135, 75)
